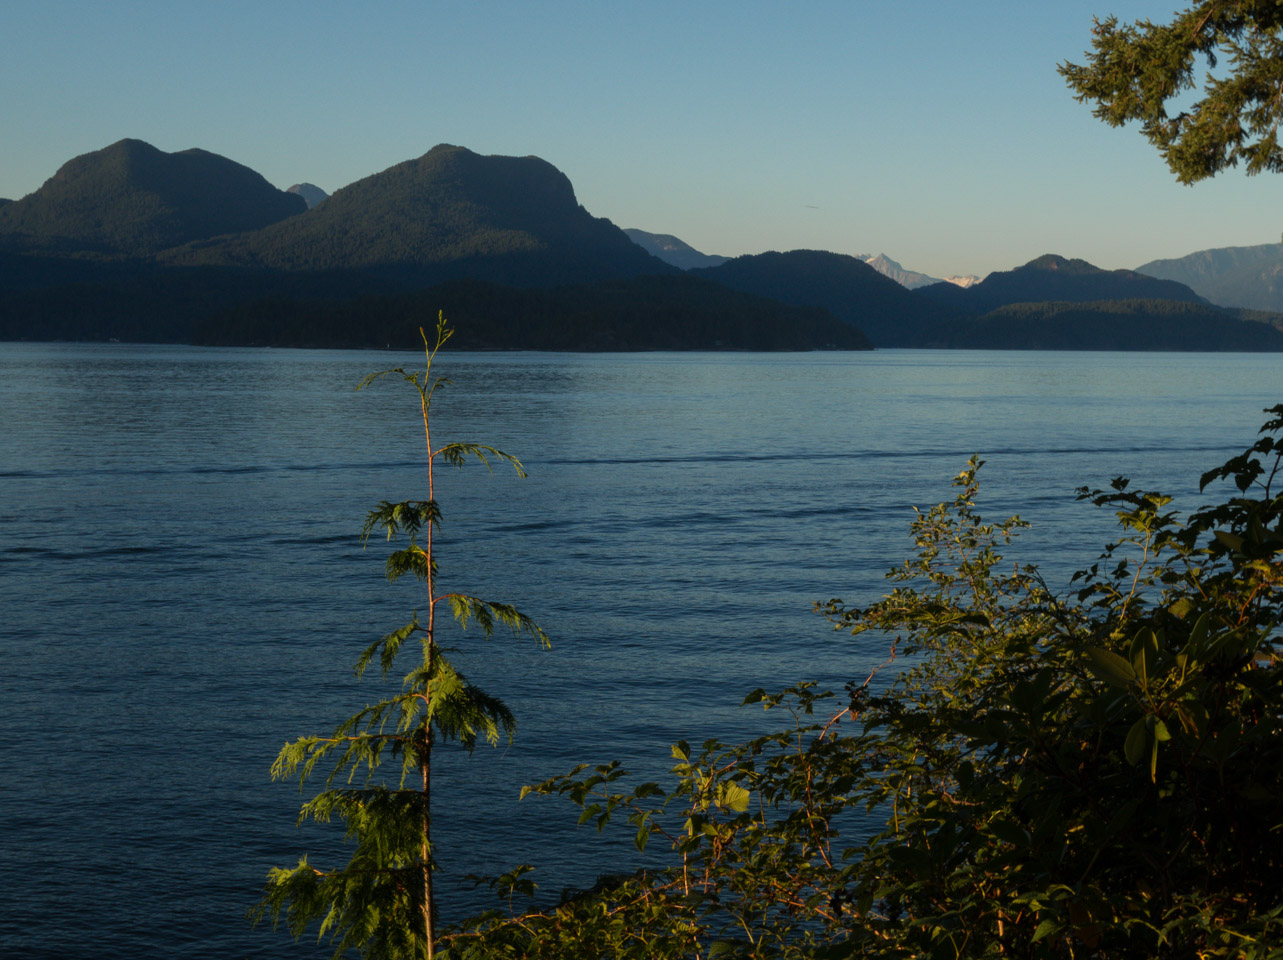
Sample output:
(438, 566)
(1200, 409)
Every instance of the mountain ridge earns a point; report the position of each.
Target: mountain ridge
(131, 199)
(310, 192)
(672, 250)
(911, 279)
(850, 289)
(1052, 278)
(1248, 276)
(447, 214)
(1135, 325)
(84, 258)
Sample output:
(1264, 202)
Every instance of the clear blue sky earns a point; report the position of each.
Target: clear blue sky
(936, 132)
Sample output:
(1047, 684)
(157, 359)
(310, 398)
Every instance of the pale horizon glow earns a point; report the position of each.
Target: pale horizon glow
(936, 133)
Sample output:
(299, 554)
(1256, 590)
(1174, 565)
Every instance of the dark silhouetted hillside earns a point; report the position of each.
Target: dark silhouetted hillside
(640, 313)
(130, 199)
(1052, 278)
(887, 313)
(1109, 325)
(449, 214)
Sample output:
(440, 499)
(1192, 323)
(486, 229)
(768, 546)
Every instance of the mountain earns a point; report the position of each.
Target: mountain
(130, 199)
(889, 268)
(671, 250)
(1110, 325)
(1250, 277)
(887, 313)
(451, 213)
(500, 241)
(1052, 278)
(910, 279)
(310, 192)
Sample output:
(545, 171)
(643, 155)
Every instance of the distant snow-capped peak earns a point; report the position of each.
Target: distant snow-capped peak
(910, 278)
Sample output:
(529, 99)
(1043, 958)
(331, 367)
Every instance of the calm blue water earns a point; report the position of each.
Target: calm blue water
(182, 588)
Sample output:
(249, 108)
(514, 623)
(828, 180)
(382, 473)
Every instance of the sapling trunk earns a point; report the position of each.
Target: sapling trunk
(429, 936)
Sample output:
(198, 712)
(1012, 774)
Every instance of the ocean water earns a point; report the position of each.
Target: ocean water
(182, 586)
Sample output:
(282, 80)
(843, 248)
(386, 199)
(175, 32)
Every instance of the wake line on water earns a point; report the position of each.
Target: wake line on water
(890, 454)
(713, 458)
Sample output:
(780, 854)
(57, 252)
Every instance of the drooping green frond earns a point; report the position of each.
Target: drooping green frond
(388, 729)
(408, 517)
(457, 709)
(373, 904)
(488, 614)
(413, 560)
(384, 822)
(406, 375)
(457, 454)
(388, 646)
(431, 391)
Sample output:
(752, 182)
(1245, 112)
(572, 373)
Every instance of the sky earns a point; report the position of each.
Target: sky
(938, 133)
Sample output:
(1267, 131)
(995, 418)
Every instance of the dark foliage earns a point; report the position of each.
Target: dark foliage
(49, 298)
(1147, 72)
(1109, 325)
(645, 313)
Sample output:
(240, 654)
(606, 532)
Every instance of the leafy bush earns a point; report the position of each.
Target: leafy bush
(1092, 775)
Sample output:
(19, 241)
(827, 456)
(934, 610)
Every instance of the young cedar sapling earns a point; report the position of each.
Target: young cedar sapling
(379, 761)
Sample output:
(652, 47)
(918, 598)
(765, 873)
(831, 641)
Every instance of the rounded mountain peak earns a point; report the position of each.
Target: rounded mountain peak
(132, 198)
(448, 213)
(528, 190)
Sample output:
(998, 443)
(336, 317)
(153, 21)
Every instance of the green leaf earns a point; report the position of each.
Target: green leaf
(1228, 540)
(733, 797)
(1045, 929)
(1009, 832)
(1134, 745)
(1110, 667)
(1199, 633)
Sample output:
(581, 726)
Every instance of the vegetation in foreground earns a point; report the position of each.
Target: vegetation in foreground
(1086, 776)
(1092, 775)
